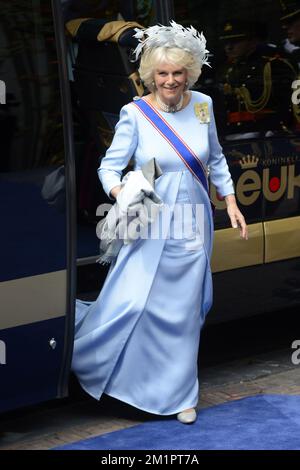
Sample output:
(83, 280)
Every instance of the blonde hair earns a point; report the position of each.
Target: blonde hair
(151, 58)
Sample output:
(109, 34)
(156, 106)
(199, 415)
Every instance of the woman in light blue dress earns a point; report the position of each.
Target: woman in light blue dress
(138, 342)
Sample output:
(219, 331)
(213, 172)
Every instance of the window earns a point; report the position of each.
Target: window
(253, 65)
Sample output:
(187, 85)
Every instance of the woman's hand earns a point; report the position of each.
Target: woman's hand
(115, 191)
(235, 215)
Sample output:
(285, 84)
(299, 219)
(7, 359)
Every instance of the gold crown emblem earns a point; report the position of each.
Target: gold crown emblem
(249, 161)
(228, 27)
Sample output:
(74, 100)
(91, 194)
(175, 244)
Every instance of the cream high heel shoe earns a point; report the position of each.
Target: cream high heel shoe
(187, 416)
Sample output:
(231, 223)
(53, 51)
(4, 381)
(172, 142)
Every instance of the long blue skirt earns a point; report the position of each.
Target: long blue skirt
(138, 342)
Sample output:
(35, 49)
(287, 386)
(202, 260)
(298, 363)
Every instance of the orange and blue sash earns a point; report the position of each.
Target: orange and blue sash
(186, 154)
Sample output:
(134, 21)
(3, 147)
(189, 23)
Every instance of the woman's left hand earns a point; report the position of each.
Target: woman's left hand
(236, 217)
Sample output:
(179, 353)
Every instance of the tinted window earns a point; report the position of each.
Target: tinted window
(32, 199)
(255, 56)
(101, 83)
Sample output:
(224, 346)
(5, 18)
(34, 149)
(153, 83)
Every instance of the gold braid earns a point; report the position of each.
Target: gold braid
(254, 106)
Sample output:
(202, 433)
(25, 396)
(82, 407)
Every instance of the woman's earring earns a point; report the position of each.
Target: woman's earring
(186, 86)
(153, 84)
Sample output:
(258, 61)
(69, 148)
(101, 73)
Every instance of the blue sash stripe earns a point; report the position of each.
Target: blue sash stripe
(166, 131)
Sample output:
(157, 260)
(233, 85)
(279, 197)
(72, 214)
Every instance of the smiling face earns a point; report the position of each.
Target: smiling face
(170, 81)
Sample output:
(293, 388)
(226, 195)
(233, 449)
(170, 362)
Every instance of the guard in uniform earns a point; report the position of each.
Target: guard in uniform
(256, 83)
(290, 20)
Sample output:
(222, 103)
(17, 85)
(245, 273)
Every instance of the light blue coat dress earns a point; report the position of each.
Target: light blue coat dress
(138, 342)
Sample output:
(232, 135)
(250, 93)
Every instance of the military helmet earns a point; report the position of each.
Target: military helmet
(238, 29)
(290, 10)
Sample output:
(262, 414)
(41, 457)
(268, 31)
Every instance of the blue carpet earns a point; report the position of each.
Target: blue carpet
(263, 422)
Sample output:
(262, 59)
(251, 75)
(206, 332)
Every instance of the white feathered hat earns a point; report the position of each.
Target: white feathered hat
(174, 35)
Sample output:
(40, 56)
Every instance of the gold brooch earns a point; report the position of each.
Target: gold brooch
(202, 112)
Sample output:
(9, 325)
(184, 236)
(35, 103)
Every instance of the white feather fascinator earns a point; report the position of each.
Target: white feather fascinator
(174, 35)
